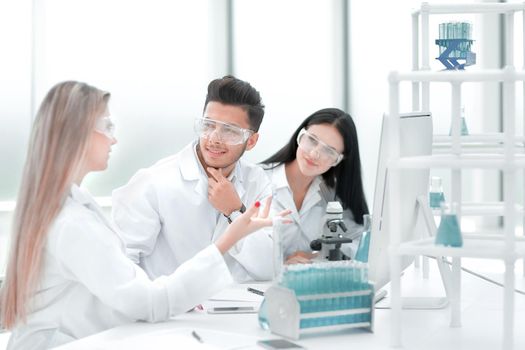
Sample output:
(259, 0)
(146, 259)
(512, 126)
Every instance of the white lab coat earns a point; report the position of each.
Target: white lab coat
(88, 284)
(308, 221)
(166, 218)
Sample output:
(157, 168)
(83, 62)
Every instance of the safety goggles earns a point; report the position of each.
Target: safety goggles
(312, 145)
(105, 126)
(226, 133)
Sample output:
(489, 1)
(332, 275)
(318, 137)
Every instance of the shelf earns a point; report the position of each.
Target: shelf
(485, 208)
(469, 149)
(489, 161)
(496, 137)
(478, 143)
(470, 8)
(474, 246)
(503, 151)
(485, 75)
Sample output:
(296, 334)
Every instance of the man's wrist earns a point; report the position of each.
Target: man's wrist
(233, 215)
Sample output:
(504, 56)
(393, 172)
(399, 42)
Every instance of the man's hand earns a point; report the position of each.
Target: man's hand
(221, 193)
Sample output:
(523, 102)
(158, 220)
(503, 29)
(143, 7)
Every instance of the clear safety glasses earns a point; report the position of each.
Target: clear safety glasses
(105, 126)
(226, 133)
(309, 143)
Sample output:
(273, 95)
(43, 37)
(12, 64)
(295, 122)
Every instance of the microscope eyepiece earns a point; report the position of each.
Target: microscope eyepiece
(316, 245)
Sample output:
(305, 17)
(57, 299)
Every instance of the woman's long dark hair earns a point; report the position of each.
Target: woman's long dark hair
(346, 176)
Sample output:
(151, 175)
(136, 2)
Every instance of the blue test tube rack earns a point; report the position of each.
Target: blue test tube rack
(455, 43)
(455, 50)
(322, 296)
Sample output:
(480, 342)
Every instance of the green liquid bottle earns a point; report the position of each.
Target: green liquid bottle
(449, 231)
(436, 195)
(364, 242)
(464, 128)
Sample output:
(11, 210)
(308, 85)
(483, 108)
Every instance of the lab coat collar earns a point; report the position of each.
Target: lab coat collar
(313, 196)
(80, 195)
(279, 177)
(280, 181)
(190, 166)
(83, 197)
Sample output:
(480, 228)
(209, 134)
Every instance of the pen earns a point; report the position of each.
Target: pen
(196, 336)
(255, 291)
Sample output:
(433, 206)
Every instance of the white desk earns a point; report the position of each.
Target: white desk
(429, 329)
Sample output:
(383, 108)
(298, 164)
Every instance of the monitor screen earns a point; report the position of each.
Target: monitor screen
(416, 140)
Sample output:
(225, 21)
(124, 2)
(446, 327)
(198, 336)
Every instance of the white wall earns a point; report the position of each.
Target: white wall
(156, 57)
(15, 92)
(15, 89)
(287, 50)
(153, 56)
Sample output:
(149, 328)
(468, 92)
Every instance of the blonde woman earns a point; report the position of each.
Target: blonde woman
(68, 275)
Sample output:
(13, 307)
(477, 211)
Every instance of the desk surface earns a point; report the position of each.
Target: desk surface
(482, 317)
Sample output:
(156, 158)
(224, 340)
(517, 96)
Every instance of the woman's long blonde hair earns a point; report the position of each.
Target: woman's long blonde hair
(58, 144)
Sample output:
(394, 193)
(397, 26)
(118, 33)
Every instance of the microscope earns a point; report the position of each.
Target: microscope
(329, 245)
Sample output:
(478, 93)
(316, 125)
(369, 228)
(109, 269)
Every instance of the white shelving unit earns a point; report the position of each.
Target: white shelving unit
(490, 151)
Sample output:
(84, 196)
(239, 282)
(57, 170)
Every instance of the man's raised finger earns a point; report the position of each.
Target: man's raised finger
(216, 174)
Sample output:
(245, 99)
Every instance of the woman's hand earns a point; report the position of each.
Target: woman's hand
(252, 220)
(300, 257)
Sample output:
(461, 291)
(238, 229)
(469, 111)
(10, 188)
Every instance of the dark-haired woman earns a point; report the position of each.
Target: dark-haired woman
(319, 164)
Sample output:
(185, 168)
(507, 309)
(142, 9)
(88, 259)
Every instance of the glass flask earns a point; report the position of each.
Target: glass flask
(364, 242)
(436, 195)
(449, 231)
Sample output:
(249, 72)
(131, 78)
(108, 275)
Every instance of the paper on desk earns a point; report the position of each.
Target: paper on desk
(181, 338)
(158, 342)
(237, 294)
(209, 304)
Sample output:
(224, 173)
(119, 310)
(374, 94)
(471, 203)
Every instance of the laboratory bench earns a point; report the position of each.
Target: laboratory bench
(482, 316)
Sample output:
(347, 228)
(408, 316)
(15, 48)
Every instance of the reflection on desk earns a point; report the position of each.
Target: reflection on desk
(181, 338)
(422, 329)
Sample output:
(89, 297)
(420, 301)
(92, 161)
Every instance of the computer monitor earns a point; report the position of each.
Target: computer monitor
(416, 140)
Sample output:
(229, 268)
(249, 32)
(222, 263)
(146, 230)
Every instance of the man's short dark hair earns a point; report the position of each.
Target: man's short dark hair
(232, 91)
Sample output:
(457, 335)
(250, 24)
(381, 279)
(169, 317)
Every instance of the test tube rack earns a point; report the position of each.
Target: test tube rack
(454, 50)
(335, 305)
(455, 44)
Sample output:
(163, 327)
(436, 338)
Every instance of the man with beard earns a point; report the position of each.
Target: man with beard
(175, 208)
